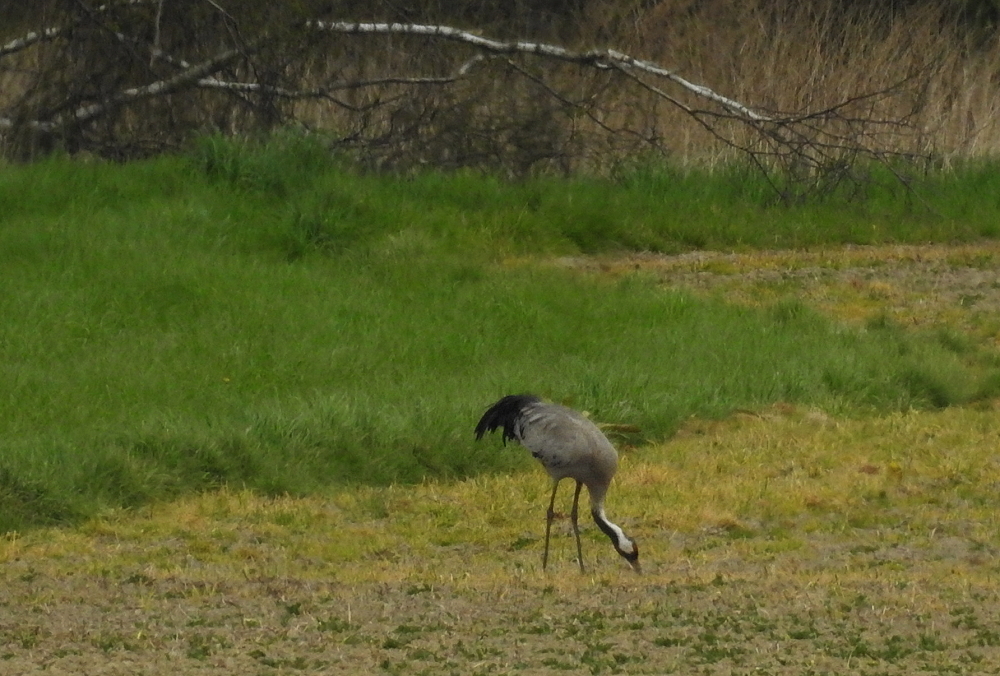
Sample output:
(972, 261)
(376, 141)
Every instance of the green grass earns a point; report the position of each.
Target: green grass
(648, 207)
(260, 316)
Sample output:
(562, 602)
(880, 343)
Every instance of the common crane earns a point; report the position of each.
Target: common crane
(569, 446)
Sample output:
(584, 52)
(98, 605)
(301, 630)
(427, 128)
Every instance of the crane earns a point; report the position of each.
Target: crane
(569, 446)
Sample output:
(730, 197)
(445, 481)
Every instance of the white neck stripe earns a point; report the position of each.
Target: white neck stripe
(622, 541)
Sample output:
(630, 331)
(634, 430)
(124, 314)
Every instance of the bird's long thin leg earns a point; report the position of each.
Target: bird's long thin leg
(576, 529)
(549, 515)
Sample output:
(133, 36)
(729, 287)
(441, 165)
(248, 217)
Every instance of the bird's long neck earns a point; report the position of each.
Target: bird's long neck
(623, 544)
(613, 531)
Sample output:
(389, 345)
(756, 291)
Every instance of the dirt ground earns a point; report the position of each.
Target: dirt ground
(861, 604)
(886, 599)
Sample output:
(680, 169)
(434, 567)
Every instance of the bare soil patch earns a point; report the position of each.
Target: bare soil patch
(861, 603)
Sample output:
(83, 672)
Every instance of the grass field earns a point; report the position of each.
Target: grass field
(262, 317)
(239, 390)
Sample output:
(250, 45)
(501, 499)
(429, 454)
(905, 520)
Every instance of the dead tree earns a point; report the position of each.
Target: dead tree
(126, 78)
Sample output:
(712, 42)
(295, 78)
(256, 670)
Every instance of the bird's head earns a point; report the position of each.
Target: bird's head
(630, 552)
(624, 545)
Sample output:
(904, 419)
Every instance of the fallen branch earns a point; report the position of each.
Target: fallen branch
(159, 88)
(266, 72)
(598, 58)
(53, 32)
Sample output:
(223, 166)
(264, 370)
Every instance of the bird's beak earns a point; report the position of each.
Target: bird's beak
(635, 566)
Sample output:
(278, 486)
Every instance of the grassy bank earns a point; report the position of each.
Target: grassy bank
(262, 317)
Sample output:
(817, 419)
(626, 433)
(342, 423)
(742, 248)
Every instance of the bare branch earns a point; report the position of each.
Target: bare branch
(562, 99)
(321, 92)
(55, 31)
(158, 88)
(598, 58)
(155, 47)
(30, 39)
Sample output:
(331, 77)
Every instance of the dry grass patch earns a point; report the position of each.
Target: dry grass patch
(924, 286)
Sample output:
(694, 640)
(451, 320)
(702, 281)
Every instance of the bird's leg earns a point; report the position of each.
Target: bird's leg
(576, 528)
(549, 515)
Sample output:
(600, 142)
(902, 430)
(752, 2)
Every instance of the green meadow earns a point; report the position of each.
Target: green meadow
(266, 317)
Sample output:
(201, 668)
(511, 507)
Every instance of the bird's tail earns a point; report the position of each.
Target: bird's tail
(504, 413)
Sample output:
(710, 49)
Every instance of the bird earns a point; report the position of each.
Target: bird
(570, 446)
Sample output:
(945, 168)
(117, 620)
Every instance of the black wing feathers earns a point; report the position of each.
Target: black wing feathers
(504, 414)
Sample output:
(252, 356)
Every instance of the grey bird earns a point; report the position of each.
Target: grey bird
(569, 446)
